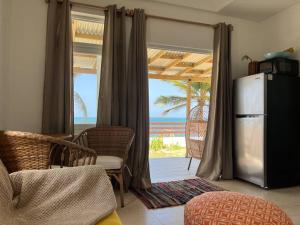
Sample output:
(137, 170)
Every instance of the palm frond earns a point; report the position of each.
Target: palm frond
(199, 92)
(181, 84)
(201, 86)
(80, 103)
(200, 98)
(175, 108)
(169, 100)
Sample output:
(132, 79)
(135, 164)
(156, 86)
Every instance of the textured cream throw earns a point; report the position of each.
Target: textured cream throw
(68, 196)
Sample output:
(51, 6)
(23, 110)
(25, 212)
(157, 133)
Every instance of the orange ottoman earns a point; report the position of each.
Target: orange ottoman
(229, 208)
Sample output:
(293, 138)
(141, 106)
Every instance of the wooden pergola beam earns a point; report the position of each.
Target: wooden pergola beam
(85, 55)
(157, 56)
(207, 58)
(163, 69)
(79, 70)
(156, 68)
(205, 79)
(166, 56)
(88, 36)
(185, 65)
(175, 62)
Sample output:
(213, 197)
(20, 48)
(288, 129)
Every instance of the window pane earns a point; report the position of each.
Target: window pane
(85, 98)
(87, 42)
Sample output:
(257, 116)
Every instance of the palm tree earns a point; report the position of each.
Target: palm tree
(199, 95)
(80, 103)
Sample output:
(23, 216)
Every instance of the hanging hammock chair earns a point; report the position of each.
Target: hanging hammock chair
(195, 132)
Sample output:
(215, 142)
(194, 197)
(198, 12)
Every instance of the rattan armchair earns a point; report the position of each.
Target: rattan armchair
(27, 151)
(112, 144)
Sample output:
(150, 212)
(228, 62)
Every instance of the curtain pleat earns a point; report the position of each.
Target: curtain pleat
(58, 82)
(216, 162)
(123, 97)
(112, 96)
(138, 101)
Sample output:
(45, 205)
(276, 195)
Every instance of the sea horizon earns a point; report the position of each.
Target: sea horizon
(92, 120)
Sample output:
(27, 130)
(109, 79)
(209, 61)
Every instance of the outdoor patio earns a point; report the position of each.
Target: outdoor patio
(170, 169)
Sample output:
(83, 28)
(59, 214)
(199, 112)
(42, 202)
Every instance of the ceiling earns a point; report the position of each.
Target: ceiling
(255, 10)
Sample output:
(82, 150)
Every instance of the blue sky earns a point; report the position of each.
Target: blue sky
(86, 86)
(157, 88)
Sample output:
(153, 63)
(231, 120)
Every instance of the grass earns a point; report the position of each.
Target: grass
(159, 150)
(168, 152)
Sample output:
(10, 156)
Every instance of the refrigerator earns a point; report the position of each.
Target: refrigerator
(267, 130)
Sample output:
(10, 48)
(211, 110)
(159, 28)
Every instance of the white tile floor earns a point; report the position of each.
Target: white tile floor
(135, 213)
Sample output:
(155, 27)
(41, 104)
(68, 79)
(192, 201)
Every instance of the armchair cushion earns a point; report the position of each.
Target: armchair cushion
(110, 162)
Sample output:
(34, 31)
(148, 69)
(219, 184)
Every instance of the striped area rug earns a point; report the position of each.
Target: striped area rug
(174, 193)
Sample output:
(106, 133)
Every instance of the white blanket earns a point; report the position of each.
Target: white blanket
(68, 196)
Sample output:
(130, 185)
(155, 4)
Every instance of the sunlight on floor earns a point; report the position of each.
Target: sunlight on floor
(168, 169)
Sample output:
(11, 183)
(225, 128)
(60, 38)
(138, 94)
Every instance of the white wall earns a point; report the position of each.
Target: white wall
(283, 30)
(27, 35)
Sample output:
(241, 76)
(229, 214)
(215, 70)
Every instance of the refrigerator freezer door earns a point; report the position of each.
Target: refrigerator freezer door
(249, 94)
(250, 148)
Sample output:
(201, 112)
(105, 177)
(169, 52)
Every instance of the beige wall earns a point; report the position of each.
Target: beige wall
(1, 65)
(4, 5)
(283, 30)
(246, 37)
(27, 23)
(26, 54)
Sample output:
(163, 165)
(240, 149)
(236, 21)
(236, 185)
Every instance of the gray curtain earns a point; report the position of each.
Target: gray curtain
(58, 83)
(216, 162)
(123, 98)
(112, 96)
(138, 101)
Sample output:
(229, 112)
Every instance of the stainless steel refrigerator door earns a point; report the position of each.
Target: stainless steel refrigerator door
(249, 149)
(249, 95)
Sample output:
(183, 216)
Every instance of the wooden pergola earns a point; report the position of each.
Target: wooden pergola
(179, 65)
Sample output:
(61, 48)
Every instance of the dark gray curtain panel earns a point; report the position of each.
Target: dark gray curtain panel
(123, 97)
(217, 156)
(58, 83)
(138, 101)
(112, 96)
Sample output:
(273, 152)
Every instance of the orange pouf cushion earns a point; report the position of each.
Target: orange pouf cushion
(229, 208)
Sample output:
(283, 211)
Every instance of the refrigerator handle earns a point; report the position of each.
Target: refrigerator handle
(249, 116)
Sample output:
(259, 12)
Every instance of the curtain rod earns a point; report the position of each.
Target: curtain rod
(129, 13)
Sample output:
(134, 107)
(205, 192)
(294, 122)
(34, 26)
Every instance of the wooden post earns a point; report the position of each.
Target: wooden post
(188, 105)
(188, 99)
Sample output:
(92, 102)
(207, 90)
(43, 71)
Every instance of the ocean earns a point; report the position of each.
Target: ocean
(162, 126)
(92, 120)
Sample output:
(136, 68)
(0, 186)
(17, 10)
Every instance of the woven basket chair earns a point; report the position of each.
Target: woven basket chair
(112, 144)
(28, 151)
(195, 132)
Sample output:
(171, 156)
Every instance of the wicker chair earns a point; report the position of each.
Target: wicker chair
(195, 132)
(27, 151)
(112, 144)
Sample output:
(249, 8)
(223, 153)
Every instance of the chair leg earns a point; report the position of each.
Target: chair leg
(190, 163)
(121, 181)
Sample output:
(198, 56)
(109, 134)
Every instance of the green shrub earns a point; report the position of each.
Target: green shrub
(175, 147)
(157, 143)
